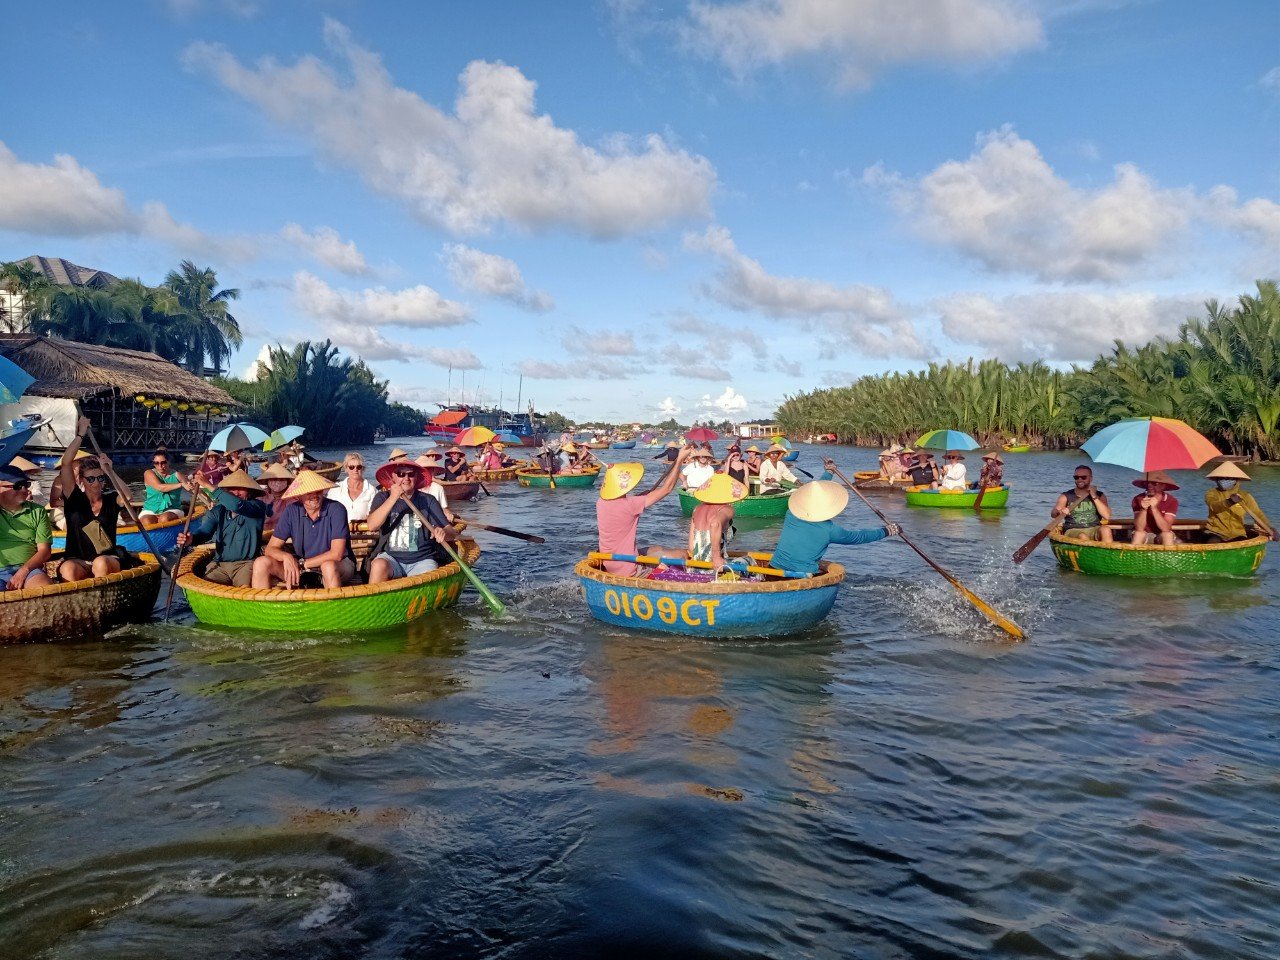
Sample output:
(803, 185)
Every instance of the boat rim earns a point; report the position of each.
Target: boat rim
(832, 574)
(1256, 540)
(150, 566)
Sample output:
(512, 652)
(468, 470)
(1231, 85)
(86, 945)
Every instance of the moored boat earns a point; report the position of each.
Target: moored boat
(327, 469)
(1240, 558)
(993, 497)
(741, 608)
(539, 478)
(455, 490)
(358, 607)
(597, 444)
(80, 608)
(759, 505)
(872, 480)
(1017, 448)
(164, 536)
(623, 444)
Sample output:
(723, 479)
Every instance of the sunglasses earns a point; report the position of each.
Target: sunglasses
(96, 478)
(17, 485)
(355, 466)
(159, 463)
(405, 473)
(1082, 476)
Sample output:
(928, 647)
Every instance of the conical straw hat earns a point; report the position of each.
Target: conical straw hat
(23, 464)
(777, 448)
(239, 479)
(307, 481)
(819, 500)
(721, 488)
(1156, 476)
(275, 471)
(620, 479)
(80, 455)
(1223, 471)
(397, 454)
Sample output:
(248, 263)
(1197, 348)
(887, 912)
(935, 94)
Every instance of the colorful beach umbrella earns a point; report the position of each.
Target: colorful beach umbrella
(283, 436)
(474, 437)
(1151, 443)
(701, 435)
(237, 436)
(947, 440)
(782, 441)
(13, 381)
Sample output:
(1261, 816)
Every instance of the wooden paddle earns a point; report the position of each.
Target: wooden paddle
(988, 611)
(507, 533)
(122, 494)
(494, 603)
(698, 564)
(186, 525)
(1027, 548)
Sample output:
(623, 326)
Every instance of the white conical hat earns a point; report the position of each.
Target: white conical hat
(818, 500)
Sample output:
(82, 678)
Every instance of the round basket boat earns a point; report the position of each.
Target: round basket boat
(327, 469)
(993, 498)
(539, 478)
(359, 607)
(760, 505)
(714, 609)
(1017, 448)
(623, 445)
(597, 444)
(455, 490)
(164, 536)
(1240, 558)
(85, 607)
(871, 480)
(493, 476)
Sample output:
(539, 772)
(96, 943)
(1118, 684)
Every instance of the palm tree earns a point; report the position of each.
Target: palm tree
(204, 325)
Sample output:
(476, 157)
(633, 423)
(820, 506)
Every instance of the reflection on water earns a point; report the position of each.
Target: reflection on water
(898, 782)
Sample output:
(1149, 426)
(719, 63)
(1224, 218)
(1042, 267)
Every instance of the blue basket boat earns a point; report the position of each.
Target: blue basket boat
(623, 444)
(743, 608)
(163, 535)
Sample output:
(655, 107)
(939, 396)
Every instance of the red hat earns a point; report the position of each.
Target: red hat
(387, 471)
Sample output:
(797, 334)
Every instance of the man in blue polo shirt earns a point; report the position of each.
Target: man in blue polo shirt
(317, 527)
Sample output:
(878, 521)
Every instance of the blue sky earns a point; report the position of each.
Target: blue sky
(691, 208)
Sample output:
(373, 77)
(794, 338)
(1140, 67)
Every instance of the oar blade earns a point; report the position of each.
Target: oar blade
(991, 613)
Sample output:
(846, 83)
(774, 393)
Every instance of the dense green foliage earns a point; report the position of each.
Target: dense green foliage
(185, 319)
(337, 399)
(1221, 375)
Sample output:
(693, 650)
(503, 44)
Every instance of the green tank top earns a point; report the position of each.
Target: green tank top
(158, 501)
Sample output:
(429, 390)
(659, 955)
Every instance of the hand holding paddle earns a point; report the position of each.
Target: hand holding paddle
(1027, 548)
(494, 603)
(122, 492)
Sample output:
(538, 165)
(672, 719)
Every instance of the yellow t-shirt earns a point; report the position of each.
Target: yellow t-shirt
(1226, 520)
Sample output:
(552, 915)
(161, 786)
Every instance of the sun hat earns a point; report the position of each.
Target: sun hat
(80, 455)
(25, 465)
(12, 475)
(672, 443)
(993, 455)
(906, 450)
(499, 445)
(704, 452)
(777, 448)
(721, 488)
(819, 500)
(620, 479)
(275, 471)
(753, 449)
(1156, 476)
(398, 454)
(1223, 471)
(386, 471)
(239, 479)
(455, 449)
(954, 455)
(307, 482)
(569, 448)
(428, 461)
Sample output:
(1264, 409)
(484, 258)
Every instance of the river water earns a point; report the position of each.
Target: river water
(900, 782)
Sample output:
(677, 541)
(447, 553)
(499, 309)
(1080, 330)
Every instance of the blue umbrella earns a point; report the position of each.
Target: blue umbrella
(947, 440)
(506, 436)
(283, 436)
(12, 440)
(13, 381)
(237, 436)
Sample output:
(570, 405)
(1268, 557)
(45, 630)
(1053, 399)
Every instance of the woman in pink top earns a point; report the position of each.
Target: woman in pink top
(618, 513)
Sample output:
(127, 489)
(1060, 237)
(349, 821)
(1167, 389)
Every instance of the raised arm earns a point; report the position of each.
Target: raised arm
(668, 482)
(67, 473)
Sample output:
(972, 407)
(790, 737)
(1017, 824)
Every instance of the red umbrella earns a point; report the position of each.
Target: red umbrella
(701, 435)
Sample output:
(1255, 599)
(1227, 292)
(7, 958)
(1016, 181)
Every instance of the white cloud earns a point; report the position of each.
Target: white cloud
(1007, 208)
(728, 402)
(417, 307)
(260, 364)
(493, 276)
(367, 341)
(325, 244)
(596, 369)
(861, 38)
(456, 357)
(494, 159)
(1061, 326)
(1271, 80)
(858, 317)
(607, 343)
(667, 408)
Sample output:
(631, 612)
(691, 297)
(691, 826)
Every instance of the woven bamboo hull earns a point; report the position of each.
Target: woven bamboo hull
(623, 445)
(83, 608)
(1018, 448)
(361, 607)
(598, 444)
(455, 490)
(739, 609)
(493, 476)
(868, 480)
(769, 505)
(539, 478)
(163, 535)
(1239, 559)
(994, 498)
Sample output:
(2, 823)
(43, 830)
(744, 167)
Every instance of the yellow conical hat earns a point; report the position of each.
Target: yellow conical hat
(818, 500)
(307, 481)
(241, 480)
(620, 479)
(80, 455)
(721, 488)
(275, 471)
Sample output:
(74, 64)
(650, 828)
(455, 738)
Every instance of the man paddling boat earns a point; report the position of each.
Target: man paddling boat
(1084, 508)
(809, 528)
(406, 548)
(235, 524)
(1229, 505)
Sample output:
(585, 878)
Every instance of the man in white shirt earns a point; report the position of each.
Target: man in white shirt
(699, 470)
(773, 471)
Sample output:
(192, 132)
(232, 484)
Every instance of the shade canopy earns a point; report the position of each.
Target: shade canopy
(237, 436)
(13, 381)
(282, 436)
(701, 435)
(506, 436)
(13, 439)
(1151, 443)
(474, 437)
(947, 440)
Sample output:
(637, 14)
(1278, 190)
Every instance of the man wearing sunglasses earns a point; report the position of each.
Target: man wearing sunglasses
(92, 512)
(1084, 508)
(25, 536)
(406, 548)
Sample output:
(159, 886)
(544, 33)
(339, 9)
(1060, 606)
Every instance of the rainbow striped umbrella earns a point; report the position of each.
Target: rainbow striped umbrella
(1151, 443)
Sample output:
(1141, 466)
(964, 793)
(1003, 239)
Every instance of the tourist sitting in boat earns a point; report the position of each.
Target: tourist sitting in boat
(353, 490)
(889, 464)
(906, 460)
(954, 474)
(669, 452)
(1154, 511)
(234, 524)
(992, 473)
(735, 467)
(321, 541)
(774, 474)
(92, 513)
(163, 499)
(276, 478)
(57, 496)
(547, 460)
(809, 528)
(455, 465)
(618, 512)
(1084, 508)
(492, 458)
(567, 458)
(210, 472)
(406, 548)
(1229, 505)
(236, 460)
(584, 459)
(25, 535)
(32, 471)
(924, 470)
(699, 470)
(711, 526)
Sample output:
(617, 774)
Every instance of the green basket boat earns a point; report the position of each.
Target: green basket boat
(360, 607)
(1238, 559)
(765, 505)
(994, 498)
(539, 478)
(1017, 448)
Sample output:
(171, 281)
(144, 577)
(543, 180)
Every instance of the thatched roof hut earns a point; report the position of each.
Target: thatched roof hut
(72, 370)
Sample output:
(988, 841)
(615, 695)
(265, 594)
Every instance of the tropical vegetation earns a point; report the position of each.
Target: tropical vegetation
(1221, 374)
